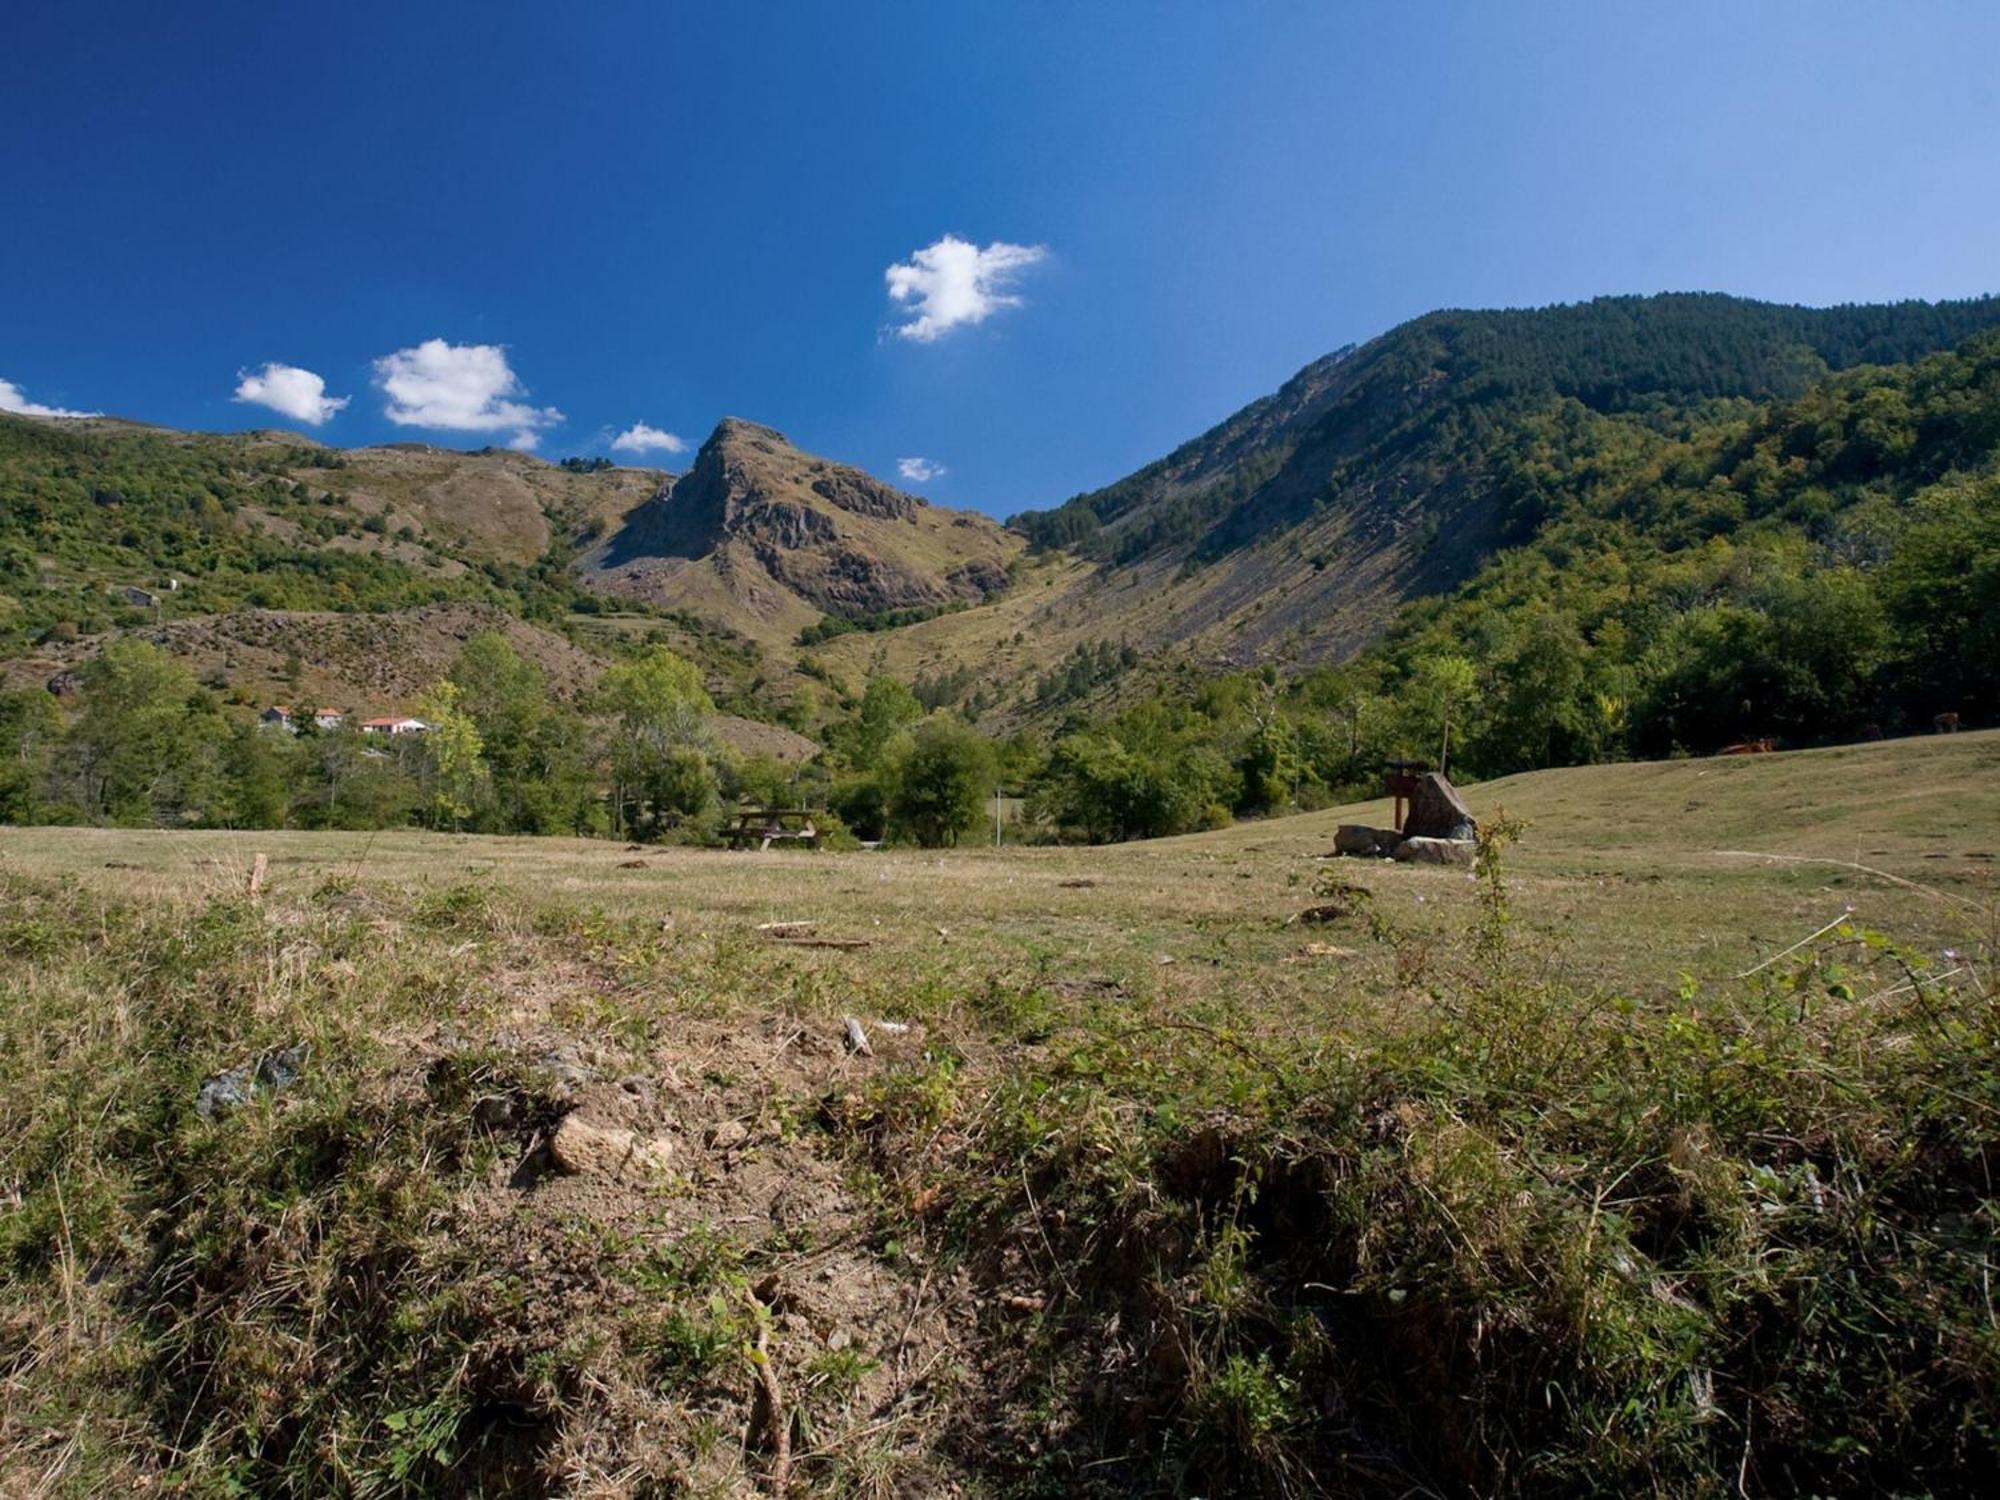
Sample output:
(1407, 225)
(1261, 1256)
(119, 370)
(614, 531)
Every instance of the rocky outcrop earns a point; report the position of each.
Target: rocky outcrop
(838, 539)
(863, 494)
(1359, 838)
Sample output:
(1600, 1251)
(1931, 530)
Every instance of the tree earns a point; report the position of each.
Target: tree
(660, 706)
(939, 780)
(137, 742)
(887, 709)
(351, 782)
(1438, 693)
(536, 755)
(257, 768)
(449, 752)
(30, 729)
(685, 784)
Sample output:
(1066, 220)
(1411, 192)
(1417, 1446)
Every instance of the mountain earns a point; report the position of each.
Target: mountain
(770, 540)
(1382, 490)
(1295, 528)
(240, 552)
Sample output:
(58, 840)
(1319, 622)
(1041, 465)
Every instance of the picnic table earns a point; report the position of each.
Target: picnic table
(765, 826)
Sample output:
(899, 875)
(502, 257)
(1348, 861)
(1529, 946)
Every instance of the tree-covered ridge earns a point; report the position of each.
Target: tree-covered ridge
(1422, 406)
(1826, 568)
(1818, 569)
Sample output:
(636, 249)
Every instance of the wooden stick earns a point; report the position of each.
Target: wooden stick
(777, 1426)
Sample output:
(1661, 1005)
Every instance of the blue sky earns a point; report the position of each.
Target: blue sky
(478, 216)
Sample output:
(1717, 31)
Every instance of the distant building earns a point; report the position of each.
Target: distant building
(328, 718)
(393, 726)
(127, 593)
(277, 716)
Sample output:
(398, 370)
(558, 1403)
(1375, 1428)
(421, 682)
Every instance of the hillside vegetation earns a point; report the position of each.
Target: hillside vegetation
(1632, 527)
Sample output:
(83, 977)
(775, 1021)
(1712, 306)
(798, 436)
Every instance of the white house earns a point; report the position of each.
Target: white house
(328, 718)
(393, 726)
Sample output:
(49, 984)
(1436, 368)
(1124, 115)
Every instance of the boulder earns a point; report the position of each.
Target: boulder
(586, 1149)
(1359, 838)
(1422, 851)
(1437, 812)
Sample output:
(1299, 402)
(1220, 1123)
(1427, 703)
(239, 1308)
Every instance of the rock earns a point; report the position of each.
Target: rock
(281, 1069)
(234, 1087)
(1436, 812)
(727, 1135)
(585, 1149)
(223, 1092)
(1359, 838)
(565, 1069)
(1422, 851)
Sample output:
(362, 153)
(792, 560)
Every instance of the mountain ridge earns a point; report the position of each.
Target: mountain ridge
(798, 536)
(1295, 532)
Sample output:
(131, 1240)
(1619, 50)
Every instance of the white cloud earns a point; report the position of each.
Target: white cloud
(298, 394)
(11, 399)
(525, 442)
(920, 470)
(955, 282)
(640, 438)
(460, 388)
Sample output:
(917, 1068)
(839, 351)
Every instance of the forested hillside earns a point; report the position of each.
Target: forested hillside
(1634, 528)
(1431, 395)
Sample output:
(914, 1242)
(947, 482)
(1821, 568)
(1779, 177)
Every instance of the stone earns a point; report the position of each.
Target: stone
(565, 1069)
(223, 1092)
(281, 1069)
(1437, 812)
(585, 1149)
(857, 1037)
(727, 1135)
(1422, 851)
(1360, 839)
(234, 1087)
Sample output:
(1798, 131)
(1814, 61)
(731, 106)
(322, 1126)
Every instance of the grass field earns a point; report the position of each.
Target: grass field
(1659, 1164)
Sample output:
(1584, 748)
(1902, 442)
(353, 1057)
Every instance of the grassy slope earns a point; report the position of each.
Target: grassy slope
(1015, 1243)
(1639, 868)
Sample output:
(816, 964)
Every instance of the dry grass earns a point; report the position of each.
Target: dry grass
(1639, 873)
(1147, 1195)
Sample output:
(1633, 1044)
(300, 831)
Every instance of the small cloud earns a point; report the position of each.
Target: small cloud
(11, 399)
(640, 438)
(955, 282)
(920, 470)
(460, 388)
(298, 394)
(525, 442)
